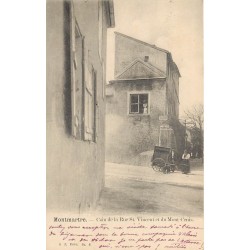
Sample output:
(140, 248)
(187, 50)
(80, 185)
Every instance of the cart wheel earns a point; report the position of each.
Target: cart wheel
(158, 164)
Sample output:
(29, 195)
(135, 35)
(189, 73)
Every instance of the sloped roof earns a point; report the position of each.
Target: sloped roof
(169, 55)
(140, 69)
(172, 64)
(147, 44)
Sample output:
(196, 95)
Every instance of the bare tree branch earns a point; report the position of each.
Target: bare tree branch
(195, 116)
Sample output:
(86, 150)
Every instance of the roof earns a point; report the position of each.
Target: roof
(136, 79)
(176, 69)
(174, 66)
(140, 69)
(147, 44)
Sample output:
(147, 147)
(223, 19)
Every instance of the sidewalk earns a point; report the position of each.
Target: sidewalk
(144, 173)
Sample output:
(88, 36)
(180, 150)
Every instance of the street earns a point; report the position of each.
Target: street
(138, 189)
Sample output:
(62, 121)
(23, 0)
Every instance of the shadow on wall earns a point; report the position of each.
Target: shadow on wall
(126, 140)
(132, 141)
(114, 138)
(67, 67)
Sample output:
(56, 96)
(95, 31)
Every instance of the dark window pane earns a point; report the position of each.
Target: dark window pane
(134, 99)
(144, 98)
(134, 108)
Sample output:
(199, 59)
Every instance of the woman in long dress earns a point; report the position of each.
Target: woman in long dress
(185, 162)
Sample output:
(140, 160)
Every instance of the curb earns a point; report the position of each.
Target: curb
(200, 187)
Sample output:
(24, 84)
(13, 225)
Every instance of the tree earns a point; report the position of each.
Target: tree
(195, 121)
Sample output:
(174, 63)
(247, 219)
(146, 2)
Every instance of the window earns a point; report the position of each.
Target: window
(83, 86)
(138, 104)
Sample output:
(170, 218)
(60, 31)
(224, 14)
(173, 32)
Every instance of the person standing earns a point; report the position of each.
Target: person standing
(172, 159)
(186, 163)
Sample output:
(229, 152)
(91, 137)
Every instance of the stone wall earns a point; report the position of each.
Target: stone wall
(129, 135)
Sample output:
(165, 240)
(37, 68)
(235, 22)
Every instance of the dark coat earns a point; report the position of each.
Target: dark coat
(175, 158)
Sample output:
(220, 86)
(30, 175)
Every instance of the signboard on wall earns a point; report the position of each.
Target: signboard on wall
(163, 118)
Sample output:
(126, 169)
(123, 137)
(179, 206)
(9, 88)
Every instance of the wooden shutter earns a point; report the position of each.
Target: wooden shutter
(77, 76)
(72, 58)
(83, 90)
(90, 104)
(95, 123)
(87, 96)
(78, 83)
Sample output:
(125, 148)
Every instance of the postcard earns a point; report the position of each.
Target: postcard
(124, 124)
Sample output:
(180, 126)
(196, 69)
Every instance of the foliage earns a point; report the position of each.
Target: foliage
(195, 124)
(195, 117)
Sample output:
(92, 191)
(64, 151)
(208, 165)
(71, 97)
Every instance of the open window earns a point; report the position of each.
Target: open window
(139, 103)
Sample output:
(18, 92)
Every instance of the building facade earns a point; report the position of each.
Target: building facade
(76, 65)
(142, 101)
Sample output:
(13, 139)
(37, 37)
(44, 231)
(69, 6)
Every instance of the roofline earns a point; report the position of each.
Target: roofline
(147, 44)
(109, 4)
(176, 95)
(178, 71)
(136, 79)
(150, 66)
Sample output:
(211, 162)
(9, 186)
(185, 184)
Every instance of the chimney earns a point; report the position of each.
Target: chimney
(146, 58)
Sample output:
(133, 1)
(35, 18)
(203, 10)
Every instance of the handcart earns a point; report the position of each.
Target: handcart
(160, 160)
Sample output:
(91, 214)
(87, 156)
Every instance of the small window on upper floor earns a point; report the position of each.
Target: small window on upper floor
(138, 104)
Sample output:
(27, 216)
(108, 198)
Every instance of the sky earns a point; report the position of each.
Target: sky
(174, 25)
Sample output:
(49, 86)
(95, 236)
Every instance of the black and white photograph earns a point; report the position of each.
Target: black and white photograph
(124, 112)
(124, 124)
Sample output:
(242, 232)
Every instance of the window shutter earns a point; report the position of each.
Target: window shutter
(86, 95)
(96, 109)
(90, 104)
(78, 83)
(83, 90)
(103, 80)
(100, 24)
(72, 27)
(76, 51)
(72, 59)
